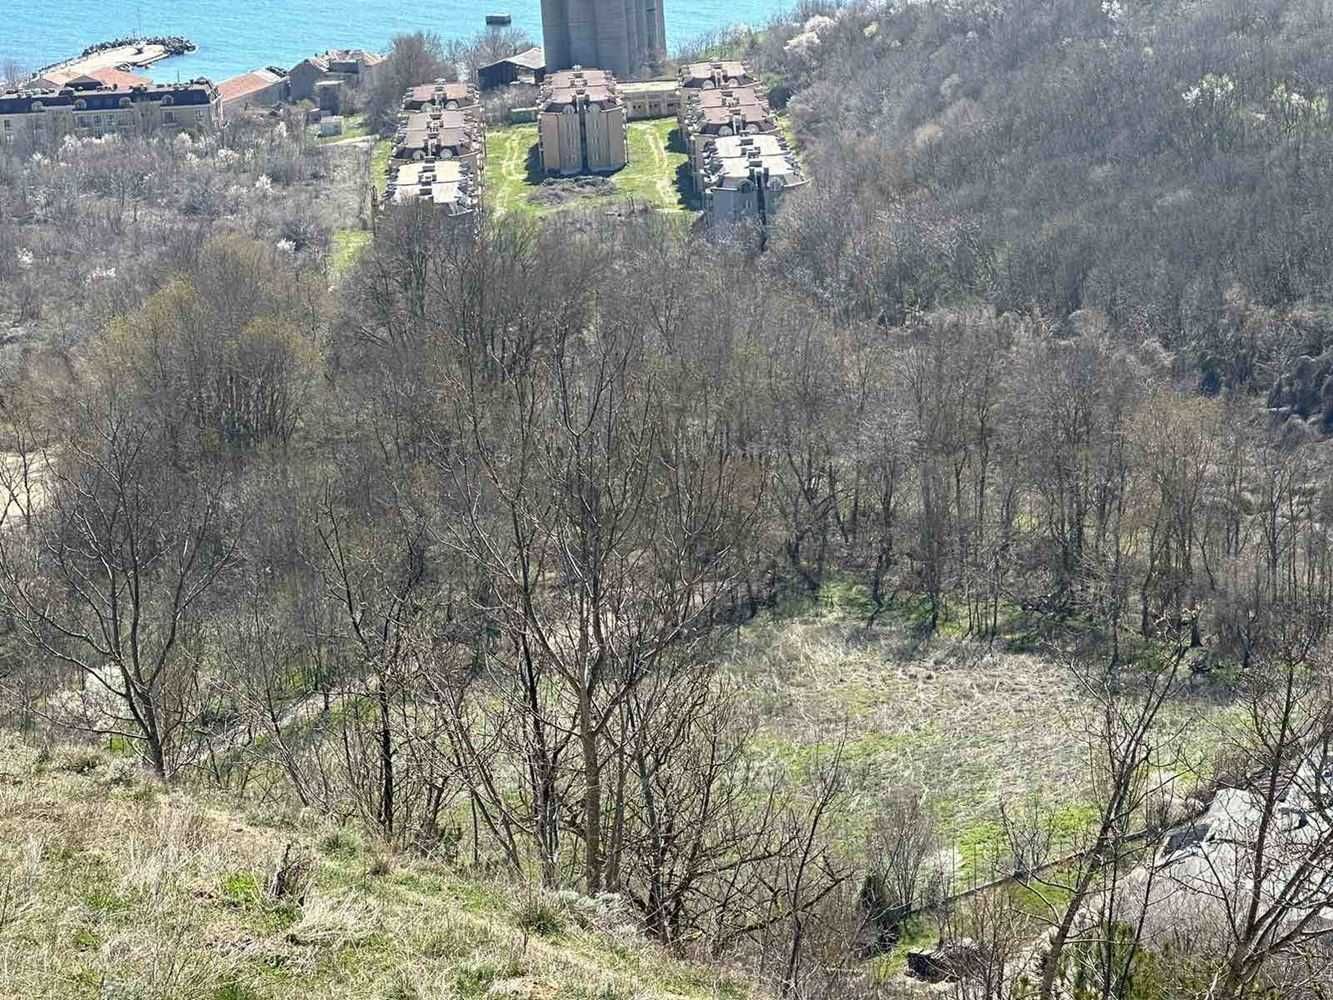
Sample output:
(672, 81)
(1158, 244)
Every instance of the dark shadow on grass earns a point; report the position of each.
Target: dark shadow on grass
(676, 142)
(685, 193)
(534, 165)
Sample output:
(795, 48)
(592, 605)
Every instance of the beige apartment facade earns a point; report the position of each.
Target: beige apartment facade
(650, 99)
(581, 123)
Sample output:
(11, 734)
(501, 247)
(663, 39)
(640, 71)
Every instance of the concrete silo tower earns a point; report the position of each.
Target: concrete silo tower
(622, 36)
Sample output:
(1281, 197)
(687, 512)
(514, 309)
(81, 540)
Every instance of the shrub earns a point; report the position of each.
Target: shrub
(78, 760)
(341, 843)
(541, 915)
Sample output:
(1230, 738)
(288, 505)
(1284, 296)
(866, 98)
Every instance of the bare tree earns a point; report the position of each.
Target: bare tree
(112, 573)
(1269, 867)
(604, 531)
(412, 59)
(1129, 765)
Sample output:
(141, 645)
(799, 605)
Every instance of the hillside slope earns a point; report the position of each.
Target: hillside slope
(112, 887)
(1163, 167)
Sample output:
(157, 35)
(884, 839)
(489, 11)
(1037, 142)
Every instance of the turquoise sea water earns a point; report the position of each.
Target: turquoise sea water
(239, 35)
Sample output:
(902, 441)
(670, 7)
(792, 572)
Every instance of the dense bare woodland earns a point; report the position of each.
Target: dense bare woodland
(455, 543)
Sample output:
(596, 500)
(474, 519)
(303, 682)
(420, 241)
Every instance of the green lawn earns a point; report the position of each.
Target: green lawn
(347, 243)
(379, 164)
(354, 127)
(655, 175)
(509, 176)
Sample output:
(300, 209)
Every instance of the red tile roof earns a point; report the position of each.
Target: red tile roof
(246, 84)
(107, 77)
(120, 79)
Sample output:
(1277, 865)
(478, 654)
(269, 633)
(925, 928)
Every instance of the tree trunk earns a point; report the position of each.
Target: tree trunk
(386, 762)
(592, 797)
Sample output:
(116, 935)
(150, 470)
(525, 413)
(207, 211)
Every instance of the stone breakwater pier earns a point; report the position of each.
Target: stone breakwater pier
(122, 53)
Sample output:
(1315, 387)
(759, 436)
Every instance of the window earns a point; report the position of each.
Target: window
(169, 117)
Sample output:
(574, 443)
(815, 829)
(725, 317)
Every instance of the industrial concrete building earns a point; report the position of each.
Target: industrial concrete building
(581, 123)
(38, 119)
(650, 99)
(621, 36)
(746, 178)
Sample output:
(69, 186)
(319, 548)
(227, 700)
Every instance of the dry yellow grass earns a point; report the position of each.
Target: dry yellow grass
(969, 725)
(113, 887)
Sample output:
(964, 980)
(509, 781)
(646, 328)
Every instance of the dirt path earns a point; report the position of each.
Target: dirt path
(512, 168)
(665, 187)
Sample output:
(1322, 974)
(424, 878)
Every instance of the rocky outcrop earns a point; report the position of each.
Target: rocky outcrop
(1305, 392)
(175, 45)
(1207, 861)
(949, 962)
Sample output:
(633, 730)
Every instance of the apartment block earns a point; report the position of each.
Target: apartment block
(721, 104)
(437, 134)
(442, 95)
(38, 118)
(448, 185)
(581, 123)
(741, 166)
(705, 125)
(439, 149)
(746, 178)
(714, 75)
(624, 36)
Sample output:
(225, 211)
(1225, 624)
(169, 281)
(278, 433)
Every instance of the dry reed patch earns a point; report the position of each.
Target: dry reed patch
(968, 725)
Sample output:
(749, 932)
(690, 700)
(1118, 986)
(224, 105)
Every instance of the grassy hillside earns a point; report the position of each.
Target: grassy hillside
(111, 887)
